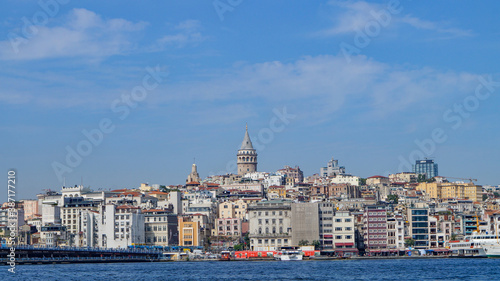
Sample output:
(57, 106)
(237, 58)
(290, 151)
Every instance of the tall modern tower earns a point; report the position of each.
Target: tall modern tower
(427, 167)
(247, 156)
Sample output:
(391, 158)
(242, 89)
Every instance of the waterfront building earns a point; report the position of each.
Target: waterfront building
(418, 227)
(71, 216)
(89, 225)
(246, 156)
(160, 228)
(332, 169)
(120, 226)
(53, 235)
(395, 233)
(426, 167)
(343, 232)
(326, 239)
(305, 223)
(375, 228)
(189, 231)
(270, 225)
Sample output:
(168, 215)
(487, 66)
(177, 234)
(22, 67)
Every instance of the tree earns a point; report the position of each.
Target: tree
(409, 242)
(393, 197)
(362, 181)
(163, 188)
(316, 244)
(496, 194)
(421, 178)
(246, 240)
(485, 196)
(238, 247)
(303, 242)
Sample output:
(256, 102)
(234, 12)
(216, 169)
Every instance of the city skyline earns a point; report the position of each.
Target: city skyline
(375, 85)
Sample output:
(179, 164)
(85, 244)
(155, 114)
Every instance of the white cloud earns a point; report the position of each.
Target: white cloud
(187, 32)
(355, 15)
(83, 33)
(319, 86)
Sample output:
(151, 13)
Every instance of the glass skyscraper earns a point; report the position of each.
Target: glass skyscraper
(427, 167)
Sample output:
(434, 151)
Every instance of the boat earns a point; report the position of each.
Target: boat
(492, 251)
(225, 256)
(474, 245)
(290, 256)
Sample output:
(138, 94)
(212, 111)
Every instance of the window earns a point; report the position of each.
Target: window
(338, 237)
(338, 220)
(338, 229)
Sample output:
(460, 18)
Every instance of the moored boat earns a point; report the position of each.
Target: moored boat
(290, 256)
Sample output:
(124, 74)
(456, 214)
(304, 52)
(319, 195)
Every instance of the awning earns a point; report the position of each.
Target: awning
(346, 250)
(343, 244)
(442, 250)
(328, 236)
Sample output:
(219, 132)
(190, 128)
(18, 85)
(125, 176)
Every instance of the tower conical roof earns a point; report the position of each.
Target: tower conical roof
(247, 143)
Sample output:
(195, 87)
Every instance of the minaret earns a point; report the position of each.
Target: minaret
(247, 156)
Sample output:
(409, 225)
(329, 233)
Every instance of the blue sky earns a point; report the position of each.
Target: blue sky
(423, 69)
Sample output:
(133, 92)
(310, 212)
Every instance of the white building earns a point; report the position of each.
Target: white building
(332, 169)
(349, 179)
(120, 226)
(395, 233)
(270, 225)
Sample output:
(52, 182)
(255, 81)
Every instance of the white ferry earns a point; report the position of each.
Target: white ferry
(473, 245)
(290, 256)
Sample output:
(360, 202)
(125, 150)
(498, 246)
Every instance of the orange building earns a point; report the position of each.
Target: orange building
(189, 232)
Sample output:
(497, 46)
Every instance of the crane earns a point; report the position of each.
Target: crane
(471, 180)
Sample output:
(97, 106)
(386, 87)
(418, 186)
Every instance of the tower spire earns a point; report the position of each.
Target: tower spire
(247, 143)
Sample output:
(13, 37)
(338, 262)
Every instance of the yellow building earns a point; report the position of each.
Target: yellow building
(189, 232)
(280, 191)
(159, 195)
(446, 190)
(233, 209)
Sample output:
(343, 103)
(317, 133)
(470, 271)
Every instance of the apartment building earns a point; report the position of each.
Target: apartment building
(375, 228)
(270, 225)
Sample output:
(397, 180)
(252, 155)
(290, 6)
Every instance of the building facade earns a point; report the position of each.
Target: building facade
(270, 225)
(426, 167)
(375, 227)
